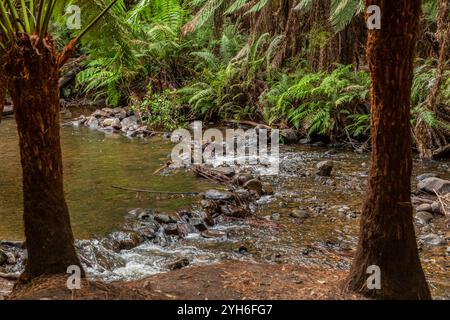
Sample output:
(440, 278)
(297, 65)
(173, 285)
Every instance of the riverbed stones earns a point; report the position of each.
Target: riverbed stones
(171, 229)
(424, 207)
(126, 240)
(299, 214)
(436, 208)
(424, 217)
(432, 185)
(199, 224)
(92, 123)
(100, 114)
(254, 185)
(162, 218)
(324, 168)
(216, 195)
(179, 264)
(424, 176)
(129, 122)
(242, 178)
(432, 240)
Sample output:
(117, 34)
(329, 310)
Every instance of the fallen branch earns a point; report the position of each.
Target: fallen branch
(445, 203)
(158, 192)
(442, 152)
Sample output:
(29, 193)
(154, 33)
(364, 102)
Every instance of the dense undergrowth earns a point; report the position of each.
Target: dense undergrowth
(173, 62)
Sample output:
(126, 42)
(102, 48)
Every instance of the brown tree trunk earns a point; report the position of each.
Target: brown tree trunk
(387, 237)
(33, 84)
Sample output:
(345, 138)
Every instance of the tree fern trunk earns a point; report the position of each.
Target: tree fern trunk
(387, 237)
(33, 85)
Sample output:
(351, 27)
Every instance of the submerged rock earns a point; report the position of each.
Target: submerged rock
(126, 240)
(324, 168)
(214, 194)
(179, 264)
(299, 214)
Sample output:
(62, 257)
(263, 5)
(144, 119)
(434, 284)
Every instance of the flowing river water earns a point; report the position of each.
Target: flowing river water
(95, 161)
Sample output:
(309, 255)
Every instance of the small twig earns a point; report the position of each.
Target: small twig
(153, 191)
(444, 207)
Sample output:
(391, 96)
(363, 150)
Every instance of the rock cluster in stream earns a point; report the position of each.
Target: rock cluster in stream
(146, 225)
(118, 120)
(430, 208)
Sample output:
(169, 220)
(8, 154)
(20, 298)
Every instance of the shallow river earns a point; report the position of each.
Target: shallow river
(94, 162)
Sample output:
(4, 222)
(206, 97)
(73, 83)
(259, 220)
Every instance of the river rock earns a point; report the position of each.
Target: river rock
(129, 122)
(99, 114)
(424, 207)
(162, 218)
(290, 136)
(254, 185)
(436, 208)
(424, 176)
(299, 214)
(199, 224)
(432, 239)
(179, 264)
(138, 212)
(228, 171)
(424, 217)
(242, 178)
(92, 123)
(79, 121)
(216, 195)
(126, 240)
(324, 168)
(171, 229)
(267, 190)
(304, 141)
(275, 216)
(108, 122)
(184, 229)
(430, 185)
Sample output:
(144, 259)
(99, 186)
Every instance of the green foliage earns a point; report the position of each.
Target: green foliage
(318, 100)
(424, 79)
(160, 111)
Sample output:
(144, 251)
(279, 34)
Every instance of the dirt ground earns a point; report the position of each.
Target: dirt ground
(226, 281)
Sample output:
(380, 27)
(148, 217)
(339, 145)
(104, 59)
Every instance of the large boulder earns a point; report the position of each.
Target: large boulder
(433, 184)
